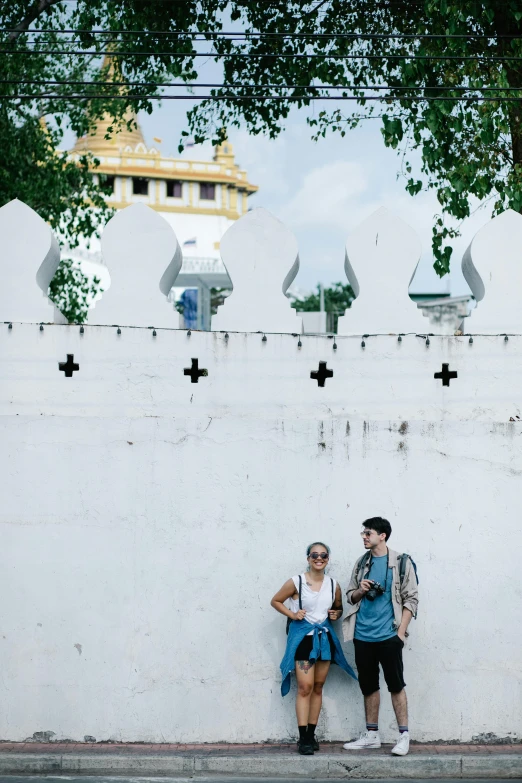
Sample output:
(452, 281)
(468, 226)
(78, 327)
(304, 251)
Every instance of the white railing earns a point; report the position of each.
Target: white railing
(260, 255)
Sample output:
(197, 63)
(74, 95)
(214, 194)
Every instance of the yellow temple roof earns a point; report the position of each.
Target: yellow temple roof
(99, 145)
(126, 156)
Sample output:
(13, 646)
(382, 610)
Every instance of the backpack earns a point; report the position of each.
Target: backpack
(288, 620)
(403, 559)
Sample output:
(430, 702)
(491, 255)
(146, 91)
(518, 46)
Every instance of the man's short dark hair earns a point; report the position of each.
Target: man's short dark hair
(378, 524)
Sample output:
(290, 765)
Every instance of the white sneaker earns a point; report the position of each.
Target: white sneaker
(370, 739)
(403, 745)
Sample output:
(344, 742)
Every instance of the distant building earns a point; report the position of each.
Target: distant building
(200, 200)
(445, 314)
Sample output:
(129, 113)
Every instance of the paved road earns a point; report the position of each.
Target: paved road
(215, 779)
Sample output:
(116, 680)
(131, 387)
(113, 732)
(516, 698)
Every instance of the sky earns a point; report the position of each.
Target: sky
(323, 190)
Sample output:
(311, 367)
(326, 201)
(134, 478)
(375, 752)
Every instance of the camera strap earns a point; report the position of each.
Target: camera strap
(367, 559)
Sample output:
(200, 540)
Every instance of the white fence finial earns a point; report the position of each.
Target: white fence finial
(381, 258)
(261, 257)
(492, 267)
(29, 257)
(144, 259)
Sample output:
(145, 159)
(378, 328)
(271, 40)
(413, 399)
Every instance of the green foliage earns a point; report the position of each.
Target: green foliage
(32, 124)
(469, 151)
(72, 291)
(337, 299)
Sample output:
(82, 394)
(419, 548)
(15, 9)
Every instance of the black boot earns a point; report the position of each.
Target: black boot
(304, 748)
(303, 744)
(310, 737)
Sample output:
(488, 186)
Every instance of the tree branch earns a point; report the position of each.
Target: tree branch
(43, 5)
(317, 7)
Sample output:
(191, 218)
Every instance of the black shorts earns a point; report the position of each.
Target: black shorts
(304, 648)
(368, 656)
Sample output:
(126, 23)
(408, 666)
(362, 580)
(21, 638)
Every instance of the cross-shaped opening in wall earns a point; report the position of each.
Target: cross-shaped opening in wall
(69, 366)
(445, 375)
(321, 374)
(194, 371)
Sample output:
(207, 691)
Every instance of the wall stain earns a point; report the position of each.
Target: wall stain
(79, 648)
(403, 429)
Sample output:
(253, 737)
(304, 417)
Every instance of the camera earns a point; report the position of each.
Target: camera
(375, 590)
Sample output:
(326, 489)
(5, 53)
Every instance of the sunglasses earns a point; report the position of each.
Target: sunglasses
(317, 555)
(366, 533)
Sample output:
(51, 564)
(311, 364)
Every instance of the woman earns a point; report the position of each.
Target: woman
(315, 600)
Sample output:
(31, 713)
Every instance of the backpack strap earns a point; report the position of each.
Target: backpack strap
(333, 596)
(288, 620)
(403, 559)
(362, 562)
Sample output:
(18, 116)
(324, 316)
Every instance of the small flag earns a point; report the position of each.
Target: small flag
(190, 242)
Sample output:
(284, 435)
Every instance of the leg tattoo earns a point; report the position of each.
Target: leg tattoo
(304, 666)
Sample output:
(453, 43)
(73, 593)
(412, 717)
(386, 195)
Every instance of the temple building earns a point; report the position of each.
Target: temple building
(200, 200)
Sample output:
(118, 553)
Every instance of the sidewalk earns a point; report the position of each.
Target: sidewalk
(282, 760)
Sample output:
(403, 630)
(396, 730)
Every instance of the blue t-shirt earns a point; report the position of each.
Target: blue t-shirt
(374, 622)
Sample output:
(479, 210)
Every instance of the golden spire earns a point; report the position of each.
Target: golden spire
(96, 142)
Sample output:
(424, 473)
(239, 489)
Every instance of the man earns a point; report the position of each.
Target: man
(382, 599)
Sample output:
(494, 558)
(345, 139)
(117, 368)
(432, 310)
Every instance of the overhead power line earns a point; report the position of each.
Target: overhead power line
(274, 86)
(284, 55)
(240, 35)
(264, 97)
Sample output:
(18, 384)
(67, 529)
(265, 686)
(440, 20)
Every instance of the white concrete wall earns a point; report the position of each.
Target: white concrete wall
(146, 521)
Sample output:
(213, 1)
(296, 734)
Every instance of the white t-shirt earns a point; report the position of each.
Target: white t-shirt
(316, 604)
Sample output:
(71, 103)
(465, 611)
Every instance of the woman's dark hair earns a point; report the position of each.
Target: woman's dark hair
(378, 524)
(316, 543)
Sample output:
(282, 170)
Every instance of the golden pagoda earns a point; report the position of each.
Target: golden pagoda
(167, 184)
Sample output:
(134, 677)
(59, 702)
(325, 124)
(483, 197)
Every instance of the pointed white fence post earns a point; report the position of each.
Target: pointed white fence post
(29, 257)
(381, 258)
(261, 257)
(492, 267)
(144, 258)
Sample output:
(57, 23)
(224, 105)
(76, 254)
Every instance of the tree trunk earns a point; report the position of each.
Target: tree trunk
(506, 24)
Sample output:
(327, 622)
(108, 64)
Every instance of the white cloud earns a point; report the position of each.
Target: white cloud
(327, 195)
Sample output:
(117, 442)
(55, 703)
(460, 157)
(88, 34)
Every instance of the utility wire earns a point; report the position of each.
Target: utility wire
(383, 98)
(246, 35)
(242, 85)
(216, 55)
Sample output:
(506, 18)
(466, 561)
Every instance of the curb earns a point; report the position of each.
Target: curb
(284, 765)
